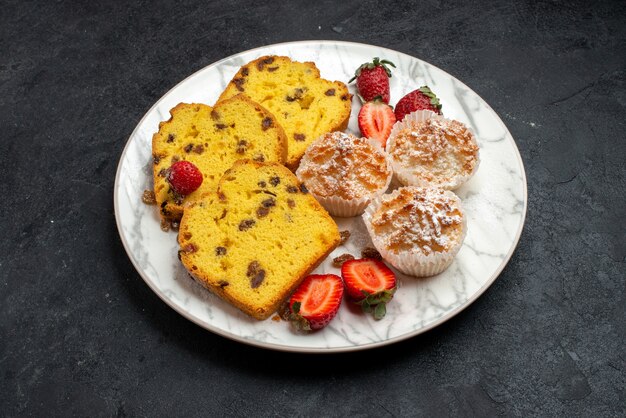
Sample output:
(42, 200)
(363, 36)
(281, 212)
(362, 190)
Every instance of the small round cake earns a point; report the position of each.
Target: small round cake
(429, 150)
(344, 173)
(418, 230)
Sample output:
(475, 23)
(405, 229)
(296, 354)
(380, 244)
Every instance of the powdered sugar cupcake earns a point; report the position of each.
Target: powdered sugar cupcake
(417, 230)
(344, 173)
(430, 150)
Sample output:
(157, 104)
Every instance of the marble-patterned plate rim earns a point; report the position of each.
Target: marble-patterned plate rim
(154, 286)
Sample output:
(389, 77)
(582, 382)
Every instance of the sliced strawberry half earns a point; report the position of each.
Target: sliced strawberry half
(370, 283)
(316, 301)
(376, 120)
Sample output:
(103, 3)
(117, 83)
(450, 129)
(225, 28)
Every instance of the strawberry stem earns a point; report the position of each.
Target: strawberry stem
(376, 303)
(376, 62)
(298, 321)
(296, 307)
(380, 311)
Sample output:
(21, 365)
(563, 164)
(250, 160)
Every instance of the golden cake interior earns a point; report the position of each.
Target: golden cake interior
(254, 240)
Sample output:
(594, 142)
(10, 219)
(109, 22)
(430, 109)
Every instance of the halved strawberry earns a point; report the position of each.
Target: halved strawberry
(369, 283)
(316, 301)
(376, 120)
(420, 99)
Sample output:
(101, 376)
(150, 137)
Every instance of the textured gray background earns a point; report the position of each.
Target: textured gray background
(82, 334)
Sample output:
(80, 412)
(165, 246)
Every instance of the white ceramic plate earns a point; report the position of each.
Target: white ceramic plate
(495, 203)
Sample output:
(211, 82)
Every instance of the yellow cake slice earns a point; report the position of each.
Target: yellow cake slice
(212, 138)
(305, 105)
(255, 239)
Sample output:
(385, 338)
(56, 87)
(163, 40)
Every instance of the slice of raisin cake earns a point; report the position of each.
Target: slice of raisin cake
(212, 138)
(255, 239)
(305, 105)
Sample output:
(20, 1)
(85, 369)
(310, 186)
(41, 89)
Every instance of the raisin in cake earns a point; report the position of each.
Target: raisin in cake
(255, 239)
(305, 105)
(212, 138)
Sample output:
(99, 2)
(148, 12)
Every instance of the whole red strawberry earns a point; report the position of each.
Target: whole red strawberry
(184, 177)
(316, 301)
(376, 120)
(420, 99)
(370, 283)
(372, 80)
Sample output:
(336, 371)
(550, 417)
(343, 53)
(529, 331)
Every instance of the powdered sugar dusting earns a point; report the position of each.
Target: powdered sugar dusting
(422, 220)
(436, 151)
(340, 164)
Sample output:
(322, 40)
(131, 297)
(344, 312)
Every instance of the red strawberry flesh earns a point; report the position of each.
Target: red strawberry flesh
(376, 120)
(367, 275)
(316, 301)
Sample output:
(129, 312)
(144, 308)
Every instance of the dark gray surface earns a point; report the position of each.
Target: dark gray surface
(82, 334)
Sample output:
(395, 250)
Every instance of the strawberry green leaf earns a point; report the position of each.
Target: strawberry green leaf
(383, 63)
(376, 303)
(376, 62)
(380, 311)
(434, 100)
(296, 307)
